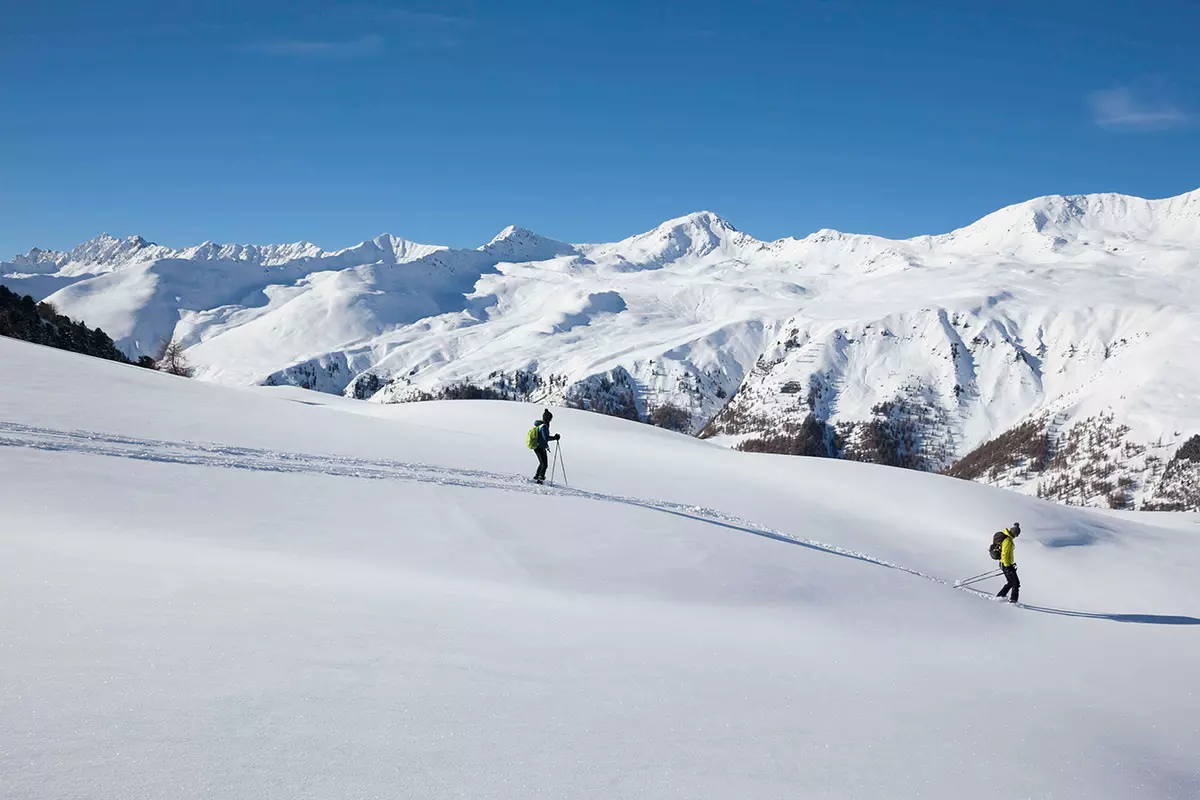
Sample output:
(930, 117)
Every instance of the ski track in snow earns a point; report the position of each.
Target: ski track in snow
(256, 460)
(204, 454)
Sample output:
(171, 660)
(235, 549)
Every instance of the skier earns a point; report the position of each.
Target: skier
(1008, 562)
(539, 442)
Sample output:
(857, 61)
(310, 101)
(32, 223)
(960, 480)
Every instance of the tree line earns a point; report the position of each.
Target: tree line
(22, 317)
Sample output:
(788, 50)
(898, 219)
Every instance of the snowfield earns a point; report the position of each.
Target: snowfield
(1076, 314)
(218, 592)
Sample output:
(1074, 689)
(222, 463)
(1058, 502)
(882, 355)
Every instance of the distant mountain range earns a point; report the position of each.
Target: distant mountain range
(1067, 326)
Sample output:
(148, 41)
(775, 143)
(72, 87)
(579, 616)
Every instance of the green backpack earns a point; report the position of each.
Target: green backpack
(533, 437)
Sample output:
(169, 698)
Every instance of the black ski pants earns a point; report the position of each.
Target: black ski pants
(540, 452)
(1014, 583)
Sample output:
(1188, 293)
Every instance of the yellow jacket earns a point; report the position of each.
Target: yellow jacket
(1007, 558)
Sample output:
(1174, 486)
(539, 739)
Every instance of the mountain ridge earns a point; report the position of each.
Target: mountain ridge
(909, 351)
(104, 248)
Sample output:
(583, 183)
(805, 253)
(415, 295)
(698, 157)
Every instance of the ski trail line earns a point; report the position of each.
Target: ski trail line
(257, 460)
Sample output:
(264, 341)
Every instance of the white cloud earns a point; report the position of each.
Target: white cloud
(362, 47)
(1121, 108)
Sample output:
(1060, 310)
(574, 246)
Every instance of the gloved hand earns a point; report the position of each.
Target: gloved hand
(556, 436)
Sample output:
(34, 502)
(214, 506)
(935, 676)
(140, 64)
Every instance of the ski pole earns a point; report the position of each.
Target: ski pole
(965, 584)
(564, 464)
(981, 577)
(973, 577)
(554, 463)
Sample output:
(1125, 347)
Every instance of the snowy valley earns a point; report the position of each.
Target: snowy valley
(1064, 330)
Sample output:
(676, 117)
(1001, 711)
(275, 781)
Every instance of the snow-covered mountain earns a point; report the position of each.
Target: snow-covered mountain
(1073, 321)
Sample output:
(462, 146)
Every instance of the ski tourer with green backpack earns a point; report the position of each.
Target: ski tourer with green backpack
(538, 440)
(1004, 550)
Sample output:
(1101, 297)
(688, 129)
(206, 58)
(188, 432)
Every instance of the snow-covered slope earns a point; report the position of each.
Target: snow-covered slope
(227, 593)
(1062, 311)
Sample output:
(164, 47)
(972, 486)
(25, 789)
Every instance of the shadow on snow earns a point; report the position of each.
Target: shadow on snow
(1141, 619)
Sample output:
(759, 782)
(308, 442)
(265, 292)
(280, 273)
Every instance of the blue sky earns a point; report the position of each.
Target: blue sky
(444, 122)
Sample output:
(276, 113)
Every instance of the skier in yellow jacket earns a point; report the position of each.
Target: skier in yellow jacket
(1008, 563)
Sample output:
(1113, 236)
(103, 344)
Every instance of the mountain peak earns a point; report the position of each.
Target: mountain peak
(109, 239)
(694, 235)
(1085, 218)
(512, 232)
(521, 244)
(699, 226)
(385, 248)
(708, 219)
(106, 249)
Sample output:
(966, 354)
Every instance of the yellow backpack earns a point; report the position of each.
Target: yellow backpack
(532, 439)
